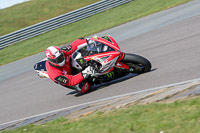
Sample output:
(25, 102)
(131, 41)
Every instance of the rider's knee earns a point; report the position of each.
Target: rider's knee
(83, 87)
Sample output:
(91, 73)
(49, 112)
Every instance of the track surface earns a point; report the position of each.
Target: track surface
(170, 40)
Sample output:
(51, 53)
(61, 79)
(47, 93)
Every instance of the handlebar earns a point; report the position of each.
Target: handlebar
(96, 65)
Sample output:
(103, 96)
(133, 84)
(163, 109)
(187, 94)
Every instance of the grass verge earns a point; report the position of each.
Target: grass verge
(177, 117)
(22, 15)
(91, 25)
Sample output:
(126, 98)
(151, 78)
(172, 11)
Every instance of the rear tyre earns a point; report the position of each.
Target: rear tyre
(137, 64)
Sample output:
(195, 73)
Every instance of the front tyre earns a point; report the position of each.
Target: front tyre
(137, 64)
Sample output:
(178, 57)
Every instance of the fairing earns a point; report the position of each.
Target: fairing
(105, 51)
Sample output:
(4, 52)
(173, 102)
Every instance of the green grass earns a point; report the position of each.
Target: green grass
(177, 117)
(88, 26)
(35, 11)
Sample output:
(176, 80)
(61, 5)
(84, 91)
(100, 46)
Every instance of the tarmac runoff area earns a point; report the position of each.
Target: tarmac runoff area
(168, 93)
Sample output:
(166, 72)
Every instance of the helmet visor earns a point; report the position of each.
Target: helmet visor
(58, 60)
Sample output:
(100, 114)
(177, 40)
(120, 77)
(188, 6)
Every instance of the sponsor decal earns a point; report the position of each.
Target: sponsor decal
(62, 79)
(67, 48)
(101, 60)
(81, 61)
(110, 75)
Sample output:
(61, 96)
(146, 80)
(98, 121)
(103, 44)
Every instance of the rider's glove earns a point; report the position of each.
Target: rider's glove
(89, 71)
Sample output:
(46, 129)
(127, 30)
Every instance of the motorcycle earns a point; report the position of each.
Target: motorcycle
(108, 61)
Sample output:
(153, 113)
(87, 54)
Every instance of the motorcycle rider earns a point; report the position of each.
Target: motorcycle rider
(59, 69)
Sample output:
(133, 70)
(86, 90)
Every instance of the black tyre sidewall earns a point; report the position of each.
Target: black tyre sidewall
(136, 59)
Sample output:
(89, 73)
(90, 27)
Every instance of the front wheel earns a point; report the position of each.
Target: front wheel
(137, 63)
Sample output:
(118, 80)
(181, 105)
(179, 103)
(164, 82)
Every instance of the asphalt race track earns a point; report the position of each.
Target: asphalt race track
(169, 39)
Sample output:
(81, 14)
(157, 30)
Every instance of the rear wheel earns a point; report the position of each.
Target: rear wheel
(137, 64)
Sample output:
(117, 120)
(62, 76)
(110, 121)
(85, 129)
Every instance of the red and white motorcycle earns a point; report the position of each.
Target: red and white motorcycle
(104, 54)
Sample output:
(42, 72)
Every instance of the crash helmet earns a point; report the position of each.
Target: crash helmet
(55, 56)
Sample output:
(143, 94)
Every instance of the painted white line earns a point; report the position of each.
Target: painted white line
(100, 100)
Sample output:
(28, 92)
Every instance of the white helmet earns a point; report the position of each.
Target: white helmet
(55, 56)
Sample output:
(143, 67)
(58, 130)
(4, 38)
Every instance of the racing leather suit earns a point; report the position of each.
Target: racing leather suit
(63, 75)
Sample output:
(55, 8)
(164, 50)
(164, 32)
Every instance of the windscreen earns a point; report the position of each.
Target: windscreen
(95, 47)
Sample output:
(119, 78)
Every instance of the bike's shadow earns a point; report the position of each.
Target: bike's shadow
(100, 86)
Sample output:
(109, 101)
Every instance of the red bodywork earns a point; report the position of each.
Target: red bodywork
(112, 54)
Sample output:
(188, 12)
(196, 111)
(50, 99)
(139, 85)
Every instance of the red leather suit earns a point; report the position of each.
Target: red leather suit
(62, 75)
